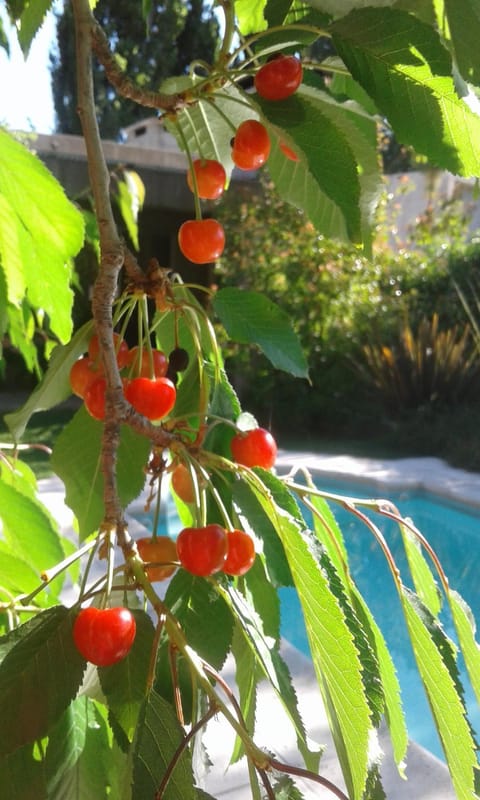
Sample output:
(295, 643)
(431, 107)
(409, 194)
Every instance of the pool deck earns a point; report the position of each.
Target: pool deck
(427, 778)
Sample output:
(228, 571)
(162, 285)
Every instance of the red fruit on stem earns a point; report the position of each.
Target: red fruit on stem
(152, 397)
(251, 145)
(160, 550)
(202, 551)
(279, 78)
(201, 240)
(211, 178)
(121, 349)
(240, 553)
(104, 636)
(94, 398)
(182, 483)
(143, 365)
(254, 448)
(82, 373)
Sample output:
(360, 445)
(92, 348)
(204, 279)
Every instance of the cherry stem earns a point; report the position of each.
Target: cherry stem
(49, 575)
(181, 748)
(312, 776)
(196, 198)
(158, 501)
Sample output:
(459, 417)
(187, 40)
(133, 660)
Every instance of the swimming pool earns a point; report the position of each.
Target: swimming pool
(451, 528)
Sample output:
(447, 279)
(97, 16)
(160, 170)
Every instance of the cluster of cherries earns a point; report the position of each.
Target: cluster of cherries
(203, 240)
(148, 381)
(105, 636)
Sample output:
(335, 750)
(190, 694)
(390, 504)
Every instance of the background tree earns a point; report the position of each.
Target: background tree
(178, 33)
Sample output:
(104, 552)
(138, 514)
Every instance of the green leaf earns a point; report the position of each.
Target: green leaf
(330, 535)
(394, 715)
(335, 637)
(16, 575)
(23, 775)
(102, 771)
(258, 520)
(158, 736)
(204, 616)
(331, 160)
(251, 318)
(125, 684)
(30, 23)
(466, 628)
(273, 666)
(4, 43)
(360, 130)
(250, 17)
(435, 658)
(424, 582)
(129, 194)
(37, 239)
(76, 460)
(66, 742)
(402, 64)
(341, 7)
(55, 385)
(29, 528)
(44, 657)
(464, 23)
(246, 680)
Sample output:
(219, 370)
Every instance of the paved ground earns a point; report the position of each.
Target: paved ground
(427, 778)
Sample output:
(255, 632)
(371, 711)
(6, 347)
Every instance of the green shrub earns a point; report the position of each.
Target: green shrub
(340, 300)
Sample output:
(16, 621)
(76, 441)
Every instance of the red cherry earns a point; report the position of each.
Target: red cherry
(152, 397)
(201, 240)
(251, 145)
(121, 349)
(182, 483)
(288, 152)
(254, 448)
(202, 551)
(82, 373)
(104, 636)
(160, 550)
(279, 78)
(139, 360)
(211, 178)
(240, 553)
(94, 398)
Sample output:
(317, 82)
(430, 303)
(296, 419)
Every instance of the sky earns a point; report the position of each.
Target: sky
(25, 94)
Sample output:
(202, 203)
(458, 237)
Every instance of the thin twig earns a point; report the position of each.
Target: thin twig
(181, 748)
(311, 776)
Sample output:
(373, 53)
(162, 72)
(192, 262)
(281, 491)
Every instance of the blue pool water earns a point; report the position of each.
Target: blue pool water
(452, 530)
(454, 533)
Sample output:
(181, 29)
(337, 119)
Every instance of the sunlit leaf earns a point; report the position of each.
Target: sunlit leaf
(465, 627)
(31, 21)
(37, 239)
(55, 385)
(403, 65)
(435, 658)
(464, 24)
(331, 158)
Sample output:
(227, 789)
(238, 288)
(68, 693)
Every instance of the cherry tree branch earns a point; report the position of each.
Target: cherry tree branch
(112, 259)
(122, 83)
